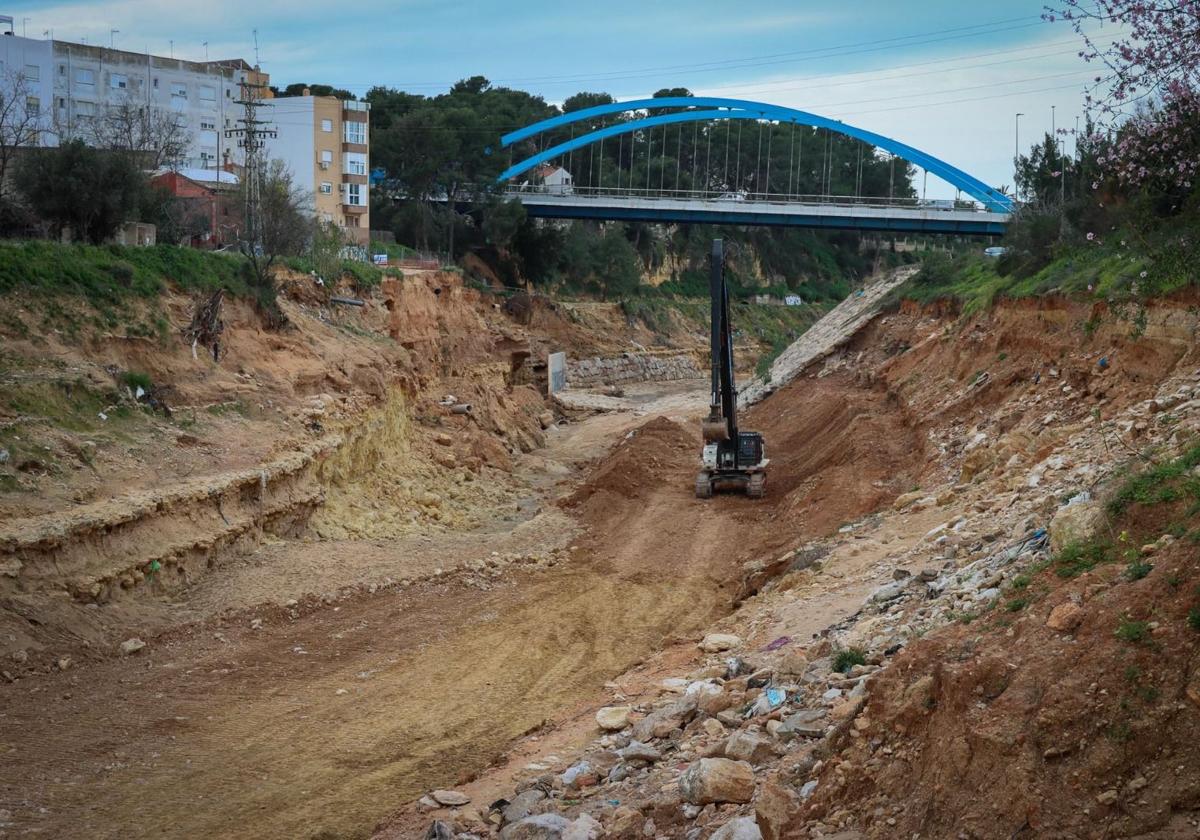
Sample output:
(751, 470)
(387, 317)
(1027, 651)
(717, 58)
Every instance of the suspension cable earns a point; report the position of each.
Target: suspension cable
(791, 157)
(758, 157)
(678, 154)
(738, 160)
(770, 135)
(708, 157)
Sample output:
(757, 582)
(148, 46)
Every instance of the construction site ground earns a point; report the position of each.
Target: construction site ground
(323, 681)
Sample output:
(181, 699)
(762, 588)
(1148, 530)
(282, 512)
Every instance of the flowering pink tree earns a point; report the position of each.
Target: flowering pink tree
(1148, 89)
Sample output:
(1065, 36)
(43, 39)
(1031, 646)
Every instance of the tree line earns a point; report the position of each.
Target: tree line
(433, 152)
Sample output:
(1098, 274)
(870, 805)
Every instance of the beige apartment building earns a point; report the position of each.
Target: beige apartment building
(325, 143)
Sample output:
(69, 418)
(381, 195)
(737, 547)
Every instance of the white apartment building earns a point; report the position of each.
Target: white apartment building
(69, 87)
(201, 96)
(27, 69)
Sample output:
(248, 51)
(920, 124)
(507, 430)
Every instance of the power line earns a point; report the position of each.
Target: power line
(816, 53)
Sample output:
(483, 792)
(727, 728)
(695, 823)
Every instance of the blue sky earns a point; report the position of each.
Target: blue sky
(944, 76)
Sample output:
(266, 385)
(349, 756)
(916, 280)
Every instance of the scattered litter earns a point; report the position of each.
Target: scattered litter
(102, 415)
(778, 643)
(775, 697)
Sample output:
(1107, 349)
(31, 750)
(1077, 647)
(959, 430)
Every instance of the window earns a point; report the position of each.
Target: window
(32, 73)
(178, 89)
(117, 81)
(208, 125)
(356, 195)
(33, 106)
(156, 83)
(85, 109)
(85, 77)
(208, 93)
(355, 132)
(327, 126)
(326, 188)
(356, 163)
(62, 69)
(326, 158)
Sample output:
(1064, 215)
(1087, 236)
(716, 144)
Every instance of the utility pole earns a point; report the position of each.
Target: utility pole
(1017, 154)
(251, 135)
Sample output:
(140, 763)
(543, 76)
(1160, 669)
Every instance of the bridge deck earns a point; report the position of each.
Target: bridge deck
(848, 216)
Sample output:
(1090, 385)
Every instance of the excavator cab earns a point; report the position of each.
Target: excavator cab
(730, 457)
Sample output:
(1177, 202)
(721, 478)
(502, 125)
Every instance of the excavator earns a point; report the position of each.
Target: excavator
(730, 458)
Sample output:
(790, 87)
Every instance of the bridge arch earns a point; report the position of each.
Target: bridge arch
(706, 108)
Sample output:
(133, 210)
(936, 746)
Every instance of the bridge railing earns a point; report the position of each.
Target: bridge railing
(736, 197)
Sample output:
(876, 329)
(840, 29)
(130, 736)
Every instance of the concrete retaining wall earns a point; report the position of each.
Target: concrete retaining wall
(632, 367)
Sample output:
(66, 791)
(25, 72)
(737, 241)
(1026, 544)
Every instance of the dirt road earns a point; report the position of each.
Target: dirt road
(319, 725)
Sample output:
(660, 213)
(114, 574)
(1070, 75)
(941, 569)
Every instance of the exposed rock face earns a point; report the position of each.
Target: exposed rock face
(717, 780)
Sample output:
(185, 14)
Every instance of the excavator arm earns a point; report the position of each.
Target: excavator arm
(722, 415)
(729, 456)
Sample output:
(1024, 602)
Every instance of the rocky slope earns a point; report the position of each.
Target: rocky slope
(1023, 651)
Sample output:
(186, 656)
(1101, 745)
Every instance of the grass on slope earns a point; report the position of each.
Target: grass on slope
(112, 274)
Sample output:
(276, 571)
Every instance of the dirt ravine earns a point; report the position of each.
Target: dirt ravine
(321, 724)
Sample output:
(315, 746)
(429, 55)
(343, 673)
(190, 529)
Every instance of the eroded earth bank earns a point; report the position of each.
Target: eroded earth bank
(317, 600)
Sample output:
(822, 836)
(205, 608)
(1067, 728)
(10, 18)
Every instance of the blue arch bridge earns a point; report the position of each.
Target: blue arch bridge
(985, 210)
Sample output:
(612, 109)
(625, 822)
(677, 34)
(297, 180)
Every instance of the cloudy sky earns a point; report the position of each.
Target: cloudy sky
(942, 75)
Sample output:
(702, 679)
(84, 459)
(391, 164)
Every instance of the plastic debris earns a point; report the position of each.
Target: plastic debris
(778, 643)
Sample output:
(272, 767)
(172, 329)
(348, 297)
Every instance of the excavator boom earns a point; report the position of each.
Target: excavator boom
(729, 456)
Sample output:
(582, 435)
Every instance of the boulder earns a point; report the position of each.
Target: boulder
(1065, 617)
(711, 780)
(538, 827)
(717, 642)
(773, 809)
(522, 805)
(793, 664)
(637, 751)
(450, 798)
(803, 724)
(131, 646)
(742, 828)
(746, 746)
(613, 718)
(660, 722)
(1074, 523)
(906, 499)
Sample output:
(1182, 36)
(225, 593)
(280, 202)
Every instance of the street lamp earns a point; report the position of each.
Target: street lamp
(1016, 154)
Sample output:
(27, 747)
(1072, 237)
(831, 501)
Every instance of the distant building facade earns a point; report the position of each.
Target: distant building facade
(325, 143)
(70, 89)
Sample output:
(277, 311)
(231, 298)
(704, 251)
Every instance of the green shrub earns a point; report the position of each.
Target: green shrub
(1138, 569)
(846, 659)
(1075, 558)
(1132, 631)
(137, 380)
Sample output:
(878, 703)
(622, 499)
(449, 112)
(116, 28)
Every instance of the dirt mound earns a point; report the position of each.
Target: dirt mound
(648, 458)
(838, 451)
(1020, 729)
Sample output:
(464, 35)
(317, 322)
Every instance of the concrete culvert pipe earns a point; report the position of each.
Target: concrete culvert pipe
(461, 408)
